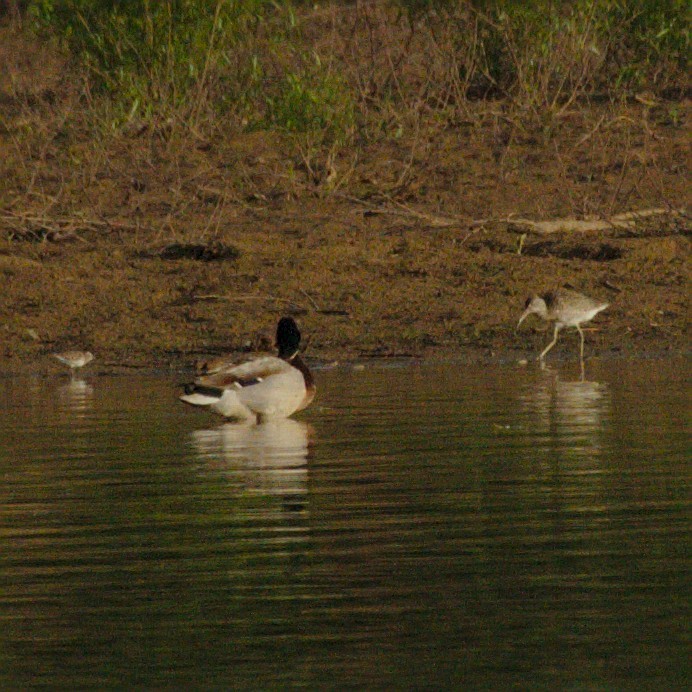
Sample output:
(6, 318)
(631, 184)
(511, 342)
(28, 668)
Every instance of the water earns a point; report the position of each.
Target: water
(419, 527)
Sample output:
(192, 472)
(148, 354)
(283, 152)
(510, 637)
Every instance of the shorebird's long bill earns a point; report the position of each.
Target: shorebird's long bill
(526, 313)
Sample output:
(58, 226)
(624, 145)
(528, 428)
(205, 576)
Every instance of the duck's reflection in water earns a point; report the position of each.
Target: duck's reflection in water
(77, 395)
(269, 459)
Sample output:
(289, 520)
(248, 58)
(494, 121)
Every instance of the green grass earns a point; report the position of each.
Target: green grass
(260, 64)
(191, 62)
(147, 54)
(523, 45)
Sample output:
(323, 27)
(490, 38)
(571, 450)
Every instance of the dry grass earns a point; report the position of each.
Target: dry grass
(374, 102)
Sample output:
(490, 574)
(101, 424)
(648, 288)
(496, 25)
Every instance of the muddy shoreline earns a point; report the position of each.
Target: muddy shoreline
(157, 246)
(363, 287)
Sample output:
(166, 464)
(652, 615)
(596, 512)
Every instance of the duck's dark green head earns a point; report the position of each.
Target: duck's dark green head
(287, 338)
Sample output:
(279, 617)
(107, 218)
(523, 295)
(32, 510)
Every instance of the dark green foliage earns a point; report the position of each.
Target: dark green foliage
(640, 41)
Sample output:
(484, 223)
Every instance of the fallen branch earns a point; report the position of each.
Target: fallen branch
(297, 308)
(435, 221)
(625, 220)
(309, 297)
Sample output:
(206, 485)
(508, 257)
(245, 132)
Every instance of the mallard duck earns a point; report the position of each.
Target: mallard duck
(264, 388)
(564, 307)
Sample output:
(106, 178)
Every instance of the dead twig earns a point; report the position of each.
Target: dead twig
(405, 210)
(309, 297)
(62, 223)
(522, 238)
(585, 138)
(243, 298)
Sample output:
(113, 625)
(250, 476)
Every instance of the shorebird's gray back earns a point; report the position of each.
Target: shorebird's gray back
(571, 308)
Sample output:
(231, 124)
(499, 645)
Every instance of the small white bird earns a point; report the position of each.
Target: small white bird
(74, 359)
(263, 388)
(564, 307)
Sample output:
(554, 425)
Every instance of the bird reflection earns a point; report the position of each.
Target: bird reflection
(268, 458)
(572, 410)
(77, 394)
(580, 403)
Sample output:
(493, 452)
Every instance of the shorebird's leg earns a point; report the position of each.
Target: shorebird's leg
(550, 345)
(581, 349)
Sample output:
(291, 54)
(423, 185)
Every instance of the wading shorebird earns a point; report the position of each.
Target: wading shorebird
(564, 307)
(74, 359)
(264, 388)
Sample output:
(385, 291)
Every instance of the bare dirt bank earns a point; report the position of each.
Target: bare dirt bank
(361, 284)
(153, 246)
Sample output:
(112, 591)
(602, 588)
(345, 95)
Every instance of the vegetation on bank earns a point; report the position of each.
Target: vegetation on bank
(332, 83)
(331, 68)
(368, 164)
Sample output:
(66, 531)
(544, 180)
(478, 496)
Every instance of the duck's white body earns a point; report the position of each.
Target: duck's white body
(265, 388)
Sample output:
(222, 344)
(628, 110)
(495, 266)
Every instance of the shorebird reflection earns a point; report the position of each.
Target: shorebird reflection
(574, 410)
(77, 394)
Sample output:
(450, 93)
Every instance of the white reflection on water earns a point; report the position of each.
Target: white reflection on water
(268, 459)
(573, 411)
(436, 553)
(570, 404)
(77, 394)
